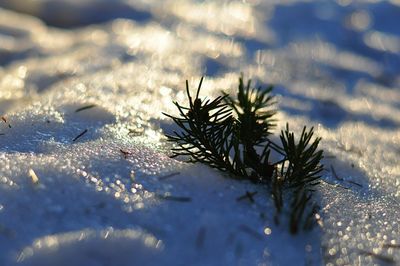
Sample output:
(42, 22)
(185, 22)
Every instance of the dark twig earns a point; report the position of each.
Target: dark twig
(354, 183)
(85, 108)
(5, 121)
(168, 176)
(248, 195)
(389, 245)
(80, 135)
(335, 174)
(136, 132)
(342, 179)
(125, 153)
(173, 198)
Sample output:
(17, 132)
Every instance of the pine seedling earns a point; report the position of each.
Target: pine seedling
(299, 174)
(207, 133)
(254, 109)
(232, 135)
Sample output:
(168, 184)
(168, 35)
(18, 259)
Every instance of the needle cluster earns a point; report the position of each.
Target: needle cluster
(233, 134)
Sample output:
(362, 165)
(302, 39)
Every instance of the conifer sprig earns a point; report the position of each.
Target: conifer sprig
(254, 109)
(232, 135)
(299, 174)
(206, 133)
(302, 158)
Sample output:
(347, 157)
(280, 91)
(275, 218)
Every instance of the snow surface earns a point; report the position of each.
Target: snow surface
(114, 197)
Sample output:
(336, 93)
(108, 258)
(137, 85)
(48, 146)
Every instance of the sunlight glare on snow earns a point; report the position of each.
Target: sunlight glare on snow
(341, 79)
(60, 246)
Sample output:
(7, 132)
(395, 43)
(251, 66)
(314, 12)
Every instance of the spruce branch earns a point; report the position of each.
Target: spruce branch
(300, 173)
(207, 133)
(233, 135)
(303, 159)
(254, 109)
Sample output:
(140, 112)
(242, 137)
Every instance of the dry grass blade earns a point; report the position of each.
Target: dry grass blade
(85, 108)
(80, 135)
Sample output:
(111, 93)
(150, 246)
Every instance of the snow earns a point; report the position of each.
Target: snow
(114, 197)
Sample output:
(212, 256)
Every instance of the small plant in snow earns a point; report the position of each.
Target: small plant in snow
(232, 134)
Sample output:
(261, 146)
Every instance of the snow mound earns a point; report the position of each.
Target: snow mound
(85, 176)
(92, 248)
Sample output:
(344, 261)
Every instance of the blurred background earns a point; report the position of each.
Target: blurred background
(335, 48)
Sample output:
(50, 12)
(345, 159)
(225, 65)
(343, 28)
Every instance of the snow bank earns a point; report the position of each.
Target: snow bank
(85, 176)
